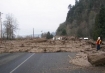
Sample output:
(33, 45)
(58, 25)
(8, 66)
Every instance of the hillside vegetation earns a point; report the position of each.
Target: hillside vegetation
(81, 20)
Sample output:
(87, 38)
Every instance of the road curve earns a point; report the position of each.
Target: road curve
(40, 63)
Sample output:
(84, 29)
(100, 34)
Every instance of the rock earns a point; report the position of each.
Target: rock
(91, 42)
(102, 47)
(22, 45)
(97, 59)
(103, 43)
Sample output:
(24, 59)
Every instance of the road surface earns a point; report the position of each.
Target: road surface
(40, 63)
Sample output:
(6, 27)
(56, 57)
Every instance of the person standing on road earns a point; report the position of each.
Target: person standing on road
(98, 43)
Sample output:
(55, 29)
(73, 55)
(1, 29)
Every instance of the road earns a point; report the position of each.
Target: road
(40, 63)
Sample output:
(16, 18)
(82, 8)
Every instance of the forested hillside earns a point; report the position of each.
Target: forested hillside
(82, 19)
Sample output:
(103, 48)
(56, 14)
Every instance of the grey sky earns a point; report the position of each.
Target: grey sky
(42, 15)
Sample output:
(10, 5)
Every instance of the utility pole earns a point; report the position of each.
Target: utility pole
(0, 27)
(33, 32)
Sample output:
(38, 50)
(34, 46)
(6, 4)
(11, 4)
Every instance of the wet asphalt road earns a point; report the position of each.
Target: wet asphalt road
(39, 63)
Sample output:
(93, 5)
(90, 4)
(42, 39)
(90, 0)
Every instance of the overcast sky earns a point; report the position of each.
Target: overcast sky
(42, 15)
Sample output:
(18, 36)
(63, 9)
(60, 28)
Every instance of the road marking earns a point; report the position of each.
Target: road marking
(69, 56)
(21, 63)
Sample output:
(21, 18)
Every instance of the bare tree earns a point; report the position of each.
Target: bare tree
(10, 26)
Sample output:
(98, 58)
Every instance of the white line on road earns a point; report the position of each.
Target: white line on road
(21, 63)
(69, 56)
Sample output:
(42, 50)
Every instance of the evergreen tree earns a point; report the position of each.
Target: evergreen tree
(49, 36)
(70, 6)
(79, 32)
(63, 32)
(76, 1)
(99, 28)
